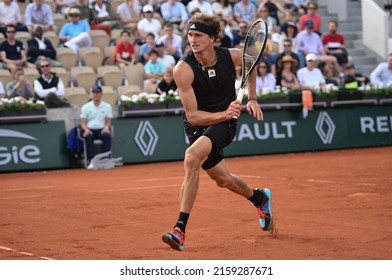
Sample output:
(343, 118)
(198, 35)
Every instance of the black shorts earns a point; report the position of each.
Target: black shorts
(220, 134)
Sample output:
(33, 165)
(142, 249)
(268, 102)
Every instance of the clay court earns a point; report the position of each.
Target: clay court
(327, 205)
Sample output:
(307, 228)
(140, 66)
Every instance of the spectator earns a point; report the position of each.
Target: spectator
(85, 14)
(286, 77)
(172, 42)
(19, 87)
(382, 75)
(10, 14)
(39, 46)
(153, 69)
(244, 11)
(334, 43)
(288, 17)
(96, 120)
(269, 56)
(289, 32)
(148, 23)
(201, 5)
(223, 39)
(265, 16)
(124, 53)
(2, 92)
(147, 47)
(167, 60)
(225, 9)
(310, 77)
(167, 83)
(273, 8)
(49, 88)
(175, 12)
(313, 16)
(330, 75)
(240, 36)
(129, 14)
(265, 80)
(12, 52)
(75, 33)
(39, 13)
(354, 79)
(296, 5)
(310, 42)
(63, 6)
(101, 13)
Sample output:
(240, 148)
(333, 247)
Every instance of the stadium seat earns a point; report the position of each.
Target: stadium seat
(134, 74)
(100, 39)
(23, 36)
(91, 56)
(66, 57)
(109, 96)
(128, 90)
(52, 4)
(108, 52)
(31, 74)
(59, 21)
(63, 74)
(5, 77)
(77, 96)
(110, 75)
(83, 76)
(150, 88)
(52, 37)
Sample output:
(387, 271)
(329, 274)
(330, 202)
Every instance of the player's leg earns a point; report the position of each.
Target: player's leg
(195, 155)
(261, 199)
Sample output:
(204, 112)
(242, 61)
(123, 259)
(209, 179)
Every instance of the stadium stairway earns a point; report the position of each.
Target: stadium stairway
(364, 59)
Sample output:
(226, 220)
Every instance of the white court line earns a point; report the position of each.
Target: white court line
(23, 196)
(23, 253)
(24, 189)
(320, 181)
(137, 188)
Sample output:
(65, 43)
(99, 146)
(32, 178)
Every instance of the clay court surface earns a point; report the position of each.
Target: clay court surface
(327, 205)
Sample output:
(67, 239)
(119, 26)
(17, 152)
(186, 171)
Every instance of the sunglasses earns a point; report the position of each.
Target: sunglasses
(74, 15)
(312, 8)
(45, 66)
(11, 31)
(286, 46)
(262, 66)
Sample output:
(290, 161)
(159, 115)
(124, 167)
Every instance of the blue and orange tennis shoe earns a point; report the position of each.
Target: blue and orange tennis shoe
(265, 213)
(175, 238)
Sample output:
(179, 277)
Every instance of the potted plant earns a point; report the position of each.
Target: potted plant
(18, 109)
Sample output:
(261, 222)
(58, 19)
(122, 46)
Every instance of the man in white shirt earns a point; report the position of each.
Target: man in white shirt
(382, 75)
(310, 77)
(39, 13)
(10, 14)
(171, 41)
(49, 88)
(201, 5)
(96, 120)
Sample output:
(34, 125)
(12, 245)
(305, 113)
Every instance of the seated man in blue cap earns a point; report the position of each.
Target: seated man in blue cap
(96, 119)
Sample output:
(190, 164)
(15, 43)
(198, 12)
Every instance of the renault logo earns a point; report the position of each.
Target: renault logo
(325, 128)
(146, 138)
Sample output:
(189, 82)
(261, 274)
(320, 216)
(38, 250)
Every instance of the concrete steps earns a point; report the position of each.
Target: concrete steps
(364, 59)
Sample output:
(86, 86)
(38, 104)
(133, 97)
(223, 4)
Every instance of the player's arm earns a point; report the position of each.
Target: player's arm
(252, 106)
(183, 75)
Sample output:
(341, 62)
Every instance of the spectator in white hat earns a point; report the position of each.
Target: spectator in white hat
(75, 33)
(149, 23)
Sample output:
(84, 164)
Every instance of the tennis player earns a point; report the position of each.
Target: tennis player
(205, 77)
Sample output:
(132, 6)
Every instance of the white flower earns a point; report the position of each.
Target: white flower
(40, 102)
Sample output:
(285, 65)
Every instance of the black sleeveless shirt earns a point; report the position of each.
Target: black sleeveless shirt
(213, 94)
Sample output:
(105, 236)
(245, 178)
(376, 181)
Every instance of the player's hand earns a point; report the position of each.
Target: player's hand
(254, 109)
(234, 110)
(87, 132)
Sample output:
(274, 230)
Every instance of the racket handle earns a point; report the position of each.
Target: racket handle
(240, 94)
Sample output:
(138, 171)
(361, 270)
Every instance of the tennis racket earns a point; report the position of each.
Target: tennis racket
(254, 44)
